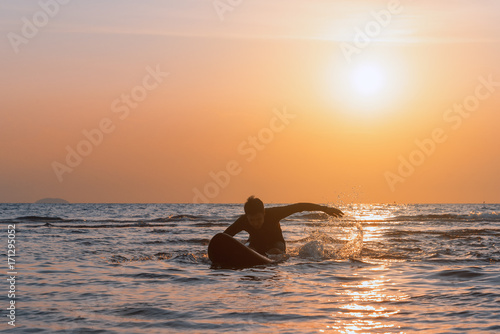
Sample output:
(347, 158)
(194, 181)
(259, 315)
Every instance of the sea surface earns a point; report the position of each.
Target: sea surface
(143, 268)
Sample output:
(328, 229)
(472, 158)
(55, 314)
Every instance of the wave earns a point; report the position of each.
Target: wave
(175, 218)
(39, 218)
(404, 235)
(112, 222)
(468, 273)
(170, 218)
(182, 257)
(470, 217)
(106, 225)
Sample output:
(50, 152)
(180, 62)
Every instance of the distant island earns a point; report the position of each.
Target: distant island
(52, 201)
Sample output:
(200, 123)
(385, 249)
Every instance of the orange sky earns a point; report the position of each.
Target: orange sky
(268, 91)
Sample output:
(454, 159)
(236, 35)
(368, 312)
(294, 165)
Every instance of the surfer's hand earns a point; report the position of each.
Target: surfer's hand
(333, 212)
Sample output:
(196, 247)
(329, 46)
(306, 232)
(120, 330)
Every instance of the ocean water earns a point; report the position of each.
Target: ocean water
(143, 268)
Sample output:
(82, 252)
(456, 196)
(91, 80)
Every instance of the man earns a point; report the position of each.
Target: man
(263, 225)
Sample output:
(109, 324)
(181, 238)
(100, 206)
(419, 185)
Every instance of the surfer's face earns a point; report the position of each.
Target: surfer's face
(256, 220)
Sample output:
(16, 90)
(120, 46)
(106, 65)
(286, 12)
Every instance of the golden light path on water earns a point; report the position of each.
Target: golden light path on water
(371, 217)
(365, 305)
(362, 304)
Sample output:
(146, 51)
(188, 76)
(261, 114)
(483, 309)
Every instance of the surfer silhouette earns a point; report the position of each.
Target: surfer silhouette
(263, 224)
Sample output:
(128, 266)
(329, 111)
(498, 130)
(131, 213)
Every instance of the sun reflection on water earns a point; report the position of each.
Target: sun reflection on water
(368, 306)
(372, 218)
(360, 326)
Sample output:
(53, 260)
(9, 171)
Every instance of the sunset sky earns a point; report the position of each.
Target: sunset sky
(297, 100)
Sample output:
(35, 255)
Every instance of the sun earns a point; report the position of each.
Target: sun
(366, 88)
(368, 80)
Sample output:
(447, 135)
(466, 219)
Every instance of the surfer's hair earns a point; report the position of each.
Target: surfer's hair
(253, 206)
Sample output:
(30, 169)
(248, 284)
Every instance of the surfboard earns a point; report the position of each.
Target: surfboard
(226, 251)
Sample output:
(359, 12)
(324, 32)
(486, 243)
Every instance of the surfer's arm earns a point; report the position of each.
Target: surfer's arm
(288, 210)
(235, 227)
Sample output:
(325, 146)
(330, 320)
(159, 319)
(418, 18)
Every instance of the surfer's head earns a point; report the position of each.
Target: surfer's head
(254, 210)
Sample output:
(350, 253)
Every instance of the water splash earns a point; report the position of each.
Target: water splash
(352, 249)
(336, 239)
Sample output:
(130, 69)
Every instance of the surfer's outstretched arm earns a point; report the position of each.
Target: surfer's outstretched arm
(285, 211)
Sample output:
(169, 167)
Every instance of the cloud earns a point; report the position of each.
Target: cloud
(453, 21)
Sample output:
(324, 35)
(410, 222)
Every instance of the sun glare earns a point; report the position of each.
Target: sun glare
(366, 88)
(368, 80)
